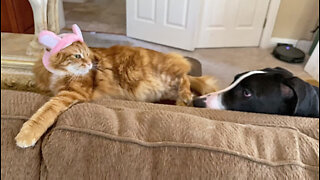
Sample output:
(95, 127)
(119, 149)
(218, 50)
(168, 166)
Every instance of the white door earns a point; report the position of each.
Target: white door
(167, 22)
(232, 23)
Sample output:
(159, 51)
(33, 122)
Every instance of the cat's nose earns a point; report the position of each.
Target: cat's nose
(89, 65)
(86, 65)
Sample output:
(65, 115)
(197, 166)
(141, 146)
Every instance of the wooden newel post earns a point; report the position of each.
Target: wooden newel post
(46, 17)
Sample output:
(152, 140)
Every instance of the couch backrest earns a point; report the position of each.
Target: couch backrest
(113, 139)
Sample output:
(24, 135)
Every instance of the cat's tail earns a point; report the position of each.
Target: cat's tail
(203, 85)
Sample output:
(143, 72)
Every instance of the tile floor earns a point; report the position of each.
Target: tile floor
(107, 16)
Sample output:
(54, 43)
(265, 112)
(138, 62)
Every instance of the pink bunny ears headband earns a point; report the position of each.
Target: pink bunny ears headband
(57, 42)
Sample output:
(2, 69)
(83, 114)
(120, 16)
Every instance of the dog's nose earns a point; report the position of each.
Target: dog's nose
(199, 102)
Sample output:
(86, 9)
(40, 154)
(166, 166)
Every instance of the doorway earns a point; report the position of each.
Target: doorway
(102, 16)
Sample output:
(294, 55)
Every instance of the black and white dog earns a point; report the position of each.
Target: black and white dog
(270, 90)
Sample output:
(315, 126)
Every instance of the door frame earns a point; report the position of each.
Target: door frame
(265, 41)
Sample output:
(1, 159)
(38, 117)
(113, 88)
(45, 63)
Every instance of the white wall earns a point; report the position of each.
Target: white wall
(312, 66)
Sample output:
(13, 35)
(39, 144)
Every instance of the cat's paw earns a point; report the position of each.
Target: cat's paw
(185, 99)
(180, 103)
(184, 102)
(27, 137)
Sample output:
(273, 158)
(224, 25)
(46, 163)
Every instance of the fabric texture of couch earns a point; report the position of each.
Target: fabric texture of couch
(115, 139)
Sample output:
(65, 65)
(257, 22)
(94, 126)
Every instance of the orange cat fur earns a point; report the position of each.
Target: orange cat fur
(121, 72)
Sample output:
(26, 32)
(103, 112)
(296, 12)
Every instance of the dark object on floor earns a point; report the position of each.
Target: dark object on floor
(288, 53)
(196, 69)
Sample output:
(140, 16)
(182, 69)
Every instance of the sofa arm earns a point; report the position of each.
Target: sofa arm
(17, 163)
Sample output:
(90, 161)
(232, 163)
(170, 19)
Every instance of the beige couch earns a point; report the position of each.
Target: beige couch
(113, 139)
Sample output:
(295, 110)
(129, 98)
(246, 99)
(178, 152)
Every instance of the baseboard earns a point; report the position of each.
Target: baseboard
(275, 41)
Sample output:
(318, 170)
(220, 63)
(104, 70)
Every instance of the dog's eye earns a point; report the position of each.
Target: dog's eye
(246, 93)
(78, 56)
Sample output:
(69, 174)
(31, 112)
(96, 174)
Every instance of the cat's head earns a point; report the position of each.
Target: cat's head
(66, 54)
(75, 59)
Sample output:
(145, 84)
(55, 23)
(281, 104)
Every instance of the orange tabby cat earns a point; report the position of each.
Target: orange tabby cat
(122, 72)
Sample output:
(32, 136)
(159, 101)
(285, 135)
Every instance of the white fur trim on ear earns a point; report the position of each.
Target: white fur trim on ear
(76, 30)
(48, 39)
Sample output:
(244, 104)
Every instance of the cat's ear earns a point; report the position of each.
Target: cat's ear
(76, 30)
(48, 39)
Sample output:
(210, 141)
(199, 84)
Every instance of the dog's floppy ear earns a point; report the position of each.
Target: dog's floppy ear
(286, 91)
(307, 97)
(280, 69)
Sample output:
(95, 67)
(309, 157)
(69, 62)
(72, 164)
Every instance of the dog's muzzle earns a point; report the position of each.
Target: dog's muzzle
(199, 102)
(212, 101)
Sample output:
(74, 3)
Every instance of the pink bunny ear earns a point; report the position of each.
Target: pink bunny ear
(76, 30)
(48, 39)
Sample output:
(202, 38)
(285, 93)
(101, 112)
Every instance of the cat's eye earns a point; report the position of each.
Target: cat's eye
(78, 56)
(246, 93)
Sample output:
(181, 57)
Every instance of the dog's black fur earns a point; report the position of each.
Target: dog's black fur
(274, 92)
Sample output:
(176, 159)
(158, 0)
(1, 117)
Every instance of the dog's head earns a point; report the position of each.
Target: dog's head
(270, 90)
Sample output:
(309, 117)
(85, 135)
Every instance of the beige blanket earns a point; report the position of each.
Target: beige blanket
(114, 139)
